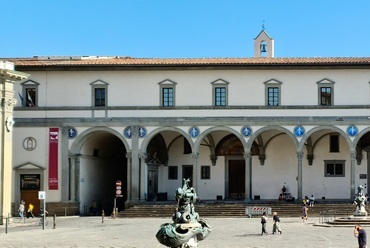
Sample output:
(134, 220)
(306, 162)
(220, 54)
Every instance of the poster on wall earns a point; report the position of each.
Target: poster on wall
(53, 158)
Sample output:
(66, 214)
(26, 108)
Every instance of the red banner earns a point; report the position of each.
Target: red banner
(53, 158)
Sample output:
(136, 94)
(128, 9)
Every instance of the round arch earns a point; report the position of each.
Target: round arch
(360, 135)
(213, 129)
(93, 174)
(80, 140)
(156, 131)
(270, 128)
(319, 128)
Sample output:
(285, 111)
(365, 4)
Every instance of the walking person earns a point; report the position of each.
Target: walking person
(264, 223)
(30, 211)
(360, 234)
(21, 210)
(304, 213)
(276, 224)
(43, 214)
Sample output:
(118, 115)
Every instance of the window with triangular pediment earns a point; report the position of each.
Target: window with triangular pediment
(99, 93)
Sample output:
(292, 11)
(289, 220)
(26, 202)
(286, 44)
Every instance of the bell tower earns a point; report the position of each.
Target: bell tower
(263, 45)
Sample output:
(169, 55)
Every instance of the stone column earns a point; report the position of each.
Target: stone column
(135, 167)
(195, 157)
(299, 157)
(248, 176)
(74, 176)
(65, 165)
(129, 178)
(7, 79)
(142, 167)
(71, 176)
(353, 174)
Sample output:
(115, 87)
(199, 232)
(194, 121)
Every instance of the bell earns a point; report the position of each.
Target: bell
(263, 48)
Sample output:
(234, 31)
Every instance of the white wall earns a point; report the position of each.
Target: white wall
(38, 157)
(246, 87)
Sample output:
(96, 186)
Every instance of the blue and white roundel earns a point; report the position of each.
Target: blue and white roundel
(246, 131)
(72, 132)
(194, 132)
(142, 132)
(128, 132)
(299, 131)
(352, 130)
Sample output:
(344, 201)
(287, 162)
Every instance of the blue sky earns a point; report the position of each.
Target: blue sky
(183, 29)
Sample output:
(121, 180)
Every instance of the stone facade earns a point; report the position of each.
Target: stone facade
(239, 128)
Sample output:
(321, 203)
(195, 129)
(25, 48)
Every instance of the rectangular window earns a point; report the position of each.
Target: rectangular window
(99, 97)
(167, 97)
(334, 143)
(30, 97)
(273, 96)
(172, 172)
(205, 172)
(334, 168)
(325, 96)
(220, 96)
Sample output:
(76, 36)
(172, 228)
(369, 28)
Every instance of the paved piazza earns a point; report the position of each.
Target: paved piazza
(140, 232)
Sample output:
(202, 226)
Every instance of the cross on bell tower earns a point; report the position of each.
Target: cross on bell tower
(263, 45)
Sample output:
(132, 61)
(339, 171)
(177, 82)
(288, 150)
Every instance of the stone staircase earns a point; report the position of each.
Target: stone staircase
(237, 209)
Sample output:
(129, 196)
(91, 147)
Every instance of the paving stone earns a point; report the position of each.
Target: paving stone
(140, 232)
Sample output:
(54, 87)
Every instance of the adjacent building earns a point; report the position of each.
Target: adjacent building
(8, 77)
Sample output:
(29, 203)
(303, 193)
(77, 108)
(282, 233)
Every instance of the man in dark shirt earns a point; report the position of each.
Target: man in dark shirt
(360, 233)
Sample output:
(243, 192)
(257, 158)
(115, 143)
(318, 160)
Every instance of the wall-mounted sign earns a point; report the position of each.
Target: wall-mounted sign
(30, 181)
(363, 176)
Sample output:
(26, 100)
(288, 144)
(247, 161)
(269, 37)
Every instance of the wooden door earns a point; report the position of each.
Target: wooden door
(30, 187)
(31, 196)
(152, 182)
(237, 179)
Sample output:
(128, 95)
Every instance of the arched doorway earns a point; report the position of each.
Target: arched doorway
(363, 148)
(168, 161)
(232, 149)
(102, 163)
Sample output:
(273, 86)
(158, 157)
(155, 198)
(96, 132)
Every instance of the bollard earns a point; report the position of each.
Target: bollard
(54, 224)
(6, 225)
(102, 216)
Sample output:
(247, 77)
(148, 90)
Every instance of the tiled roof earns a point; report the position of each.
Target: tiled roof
(128, 61)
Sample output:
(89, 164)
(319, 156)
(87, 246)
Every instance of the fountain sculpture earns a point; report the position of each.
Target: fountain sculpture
(360, 201)
(359, 216)
(187, 227)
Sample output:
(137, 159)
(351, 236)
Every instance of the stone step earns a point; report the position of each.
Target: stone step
(238, 210)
